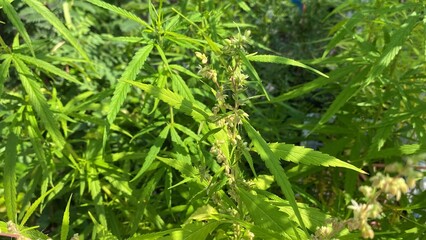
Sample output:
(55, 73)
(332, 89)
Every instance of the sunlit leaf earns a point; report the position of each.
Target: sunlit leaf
(308, 156)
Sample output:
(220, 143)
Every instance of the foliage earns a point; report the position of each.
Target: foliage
(160, 119)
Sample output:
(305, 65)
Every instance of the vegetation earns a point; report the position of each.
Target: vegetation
(208, 119)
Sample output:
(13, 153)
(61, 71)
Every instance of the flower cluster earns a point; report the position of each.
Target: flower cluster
(398, 180)
(401, 182)
(225, 72)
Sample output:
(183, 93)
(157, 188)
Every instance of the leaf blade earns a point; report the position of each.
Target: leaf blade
(59, 26)
(298, 154)
(130, 73)
(9, 176)
(272, 163)
(283, 60)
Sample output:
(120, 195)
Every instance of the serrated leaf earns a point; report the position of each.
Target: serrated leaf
(9, 175)
(198, 230)
(312, 217)
(180, 148)
(16, 21)
(59, 26)
(120, 11)
(283, 60)
(153, 151)
(47, 67)
(36, 203)
(274, 166)
(392, 48)
(130, 73)
(95, 192)
(266, 215)
(308, 156)
(66, 221)
(4, 71)
(155, 235)
(39, 102)
(183, 167)
(179, 86)
(176, 101)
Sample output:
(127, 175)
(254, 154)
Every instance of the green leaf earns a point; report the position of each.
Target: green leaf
(180, 148)
(266, 215)
(95, 192)
(130, 73)
(153, 152)
(273, 164)
(409, 149)
(179, 86)
(9, 176)
(392, 48)
(120, 11)
(36, 203)
(312, 217)
(47, 67)
(298, 154)
(315, 84)
(283, 60)
(59, 26)
(186, 169)
(253, 73)
(4, 71)
(343, 97)
(197, 230)
(345, 29)
(176, 101)
(16, 21)
(66, 221)
(39, 102)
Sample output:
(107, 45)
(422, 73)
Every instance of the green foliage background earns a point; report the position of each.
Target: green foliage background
(113, 128)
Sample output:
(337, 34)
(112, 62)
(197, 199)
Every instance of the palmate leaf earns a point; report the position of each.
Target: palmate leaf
(392, 48)
(273, 164)
(130, 73)
(175, 100)
(267, 216)
(298, 154)
(39, 102)
(16, 21)
(363, 79)
(59, 26)
(283, 60)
